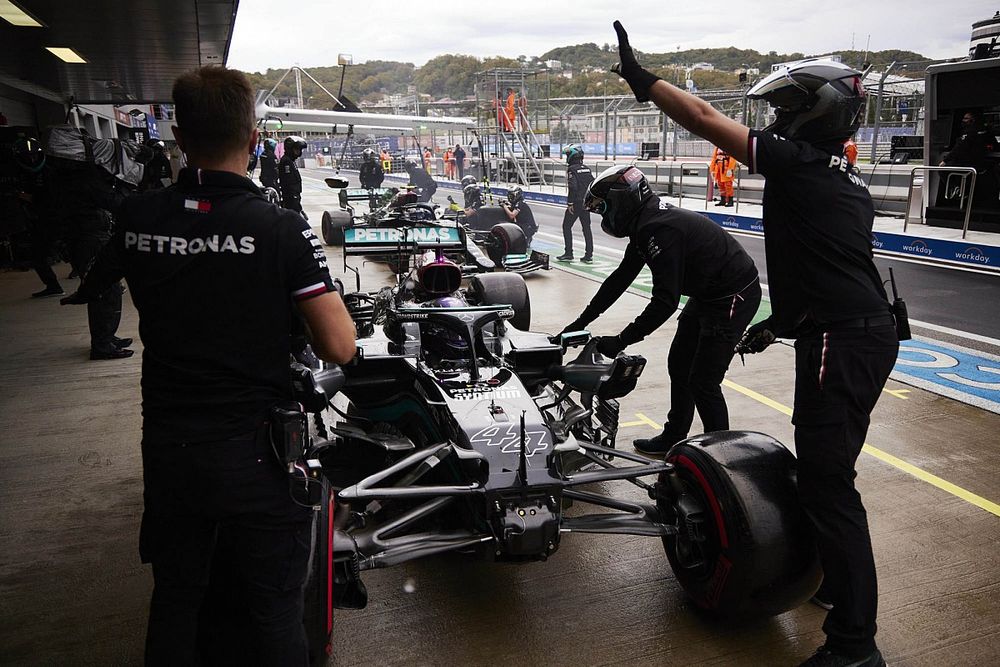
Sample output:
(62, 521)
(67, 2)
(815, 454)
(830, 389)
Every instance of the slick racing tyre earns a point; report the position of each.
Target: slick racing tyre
(494, 289)
(487, 216)
(507, 239)
(333, 227)
(751, 550)
(318, 616)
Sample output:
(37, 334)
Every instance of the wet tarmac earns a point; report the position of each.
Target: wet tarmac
(72, 590)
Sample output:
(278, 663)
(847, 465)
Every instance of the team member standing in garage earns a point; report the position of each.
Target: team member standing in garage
(826, 293)
(687, 254)
(213, 269)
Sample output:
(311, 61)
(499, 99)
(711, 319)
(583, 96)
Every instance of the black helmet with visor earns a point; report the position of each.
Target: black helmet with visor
(817, 101)
(617, 195)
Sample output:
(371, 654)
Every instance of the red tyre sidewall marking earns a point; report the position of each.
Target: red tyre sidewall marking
(709, 493)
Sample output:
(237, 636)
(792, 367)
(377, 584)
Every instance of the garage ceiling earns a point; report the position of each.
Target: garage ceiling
(134, 50)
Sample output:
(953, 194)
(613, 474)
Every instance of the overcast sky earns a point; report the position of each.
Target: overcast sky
(312, 32)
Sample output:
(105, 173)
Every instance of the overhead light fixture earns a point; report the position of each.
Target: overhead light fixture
(345, 59)
(65, 54)
(14, 15)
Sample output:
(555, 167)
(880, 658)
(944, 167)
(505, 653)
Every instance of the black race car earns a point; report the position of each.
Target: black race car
(457, 429)
(497, 246)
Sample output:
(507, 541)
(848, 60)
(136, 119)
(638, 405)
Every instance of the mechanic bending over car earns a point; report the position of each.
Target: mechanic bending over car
(687, 254)
(421, 179)
(826, 293)
(213, 269)
(519, 213)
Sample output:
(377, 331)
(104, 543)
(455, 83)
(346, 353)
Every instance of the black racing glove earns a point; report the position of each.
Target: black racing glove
(757, 338)
(637, 78)
(610, 346)
(575, 325)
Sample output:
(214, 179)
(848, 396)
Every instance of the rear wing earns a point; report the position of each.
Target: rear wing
(363, 240)
(347, 195)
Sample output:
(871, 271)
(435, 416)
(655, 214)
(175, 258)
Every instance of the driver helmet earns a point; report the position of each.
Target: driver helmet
(29, 154)
(817, 101)
(573, 153)
(468, 180)
(295, 145)
(617, 195)
(270, 145)
(515, 196)
(441, 341)
(368, 155)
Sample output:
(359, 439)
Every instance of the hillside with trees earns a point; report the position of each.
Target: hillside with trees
(453, 76)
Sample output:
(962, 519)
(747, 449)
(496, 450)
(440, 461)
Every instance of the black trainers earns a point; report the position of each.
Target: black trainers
(565, 257)
(48, 291)
(587, 259)
(656, 446)
(826, 658)
(117, 353)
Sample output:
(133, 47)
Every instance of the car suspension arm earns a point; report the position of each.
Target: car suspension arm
(433, 455)
(638, 519)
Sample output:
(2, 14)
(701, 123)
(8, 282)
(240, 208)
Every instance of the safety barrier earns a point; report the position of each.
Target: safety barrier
(955, 171)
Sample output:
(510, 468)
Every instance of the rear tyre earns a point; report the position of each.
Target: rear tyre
(757, 556)
(508, 239)
(494, 289)
(318, 616)
(333, 227)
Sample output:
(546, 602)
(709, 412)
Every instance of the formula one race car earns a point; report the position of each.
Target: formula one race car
(456, 429)
(500, 246)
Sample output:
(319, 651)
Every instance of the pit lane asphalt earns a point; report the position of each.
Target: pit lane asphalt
(72, 590)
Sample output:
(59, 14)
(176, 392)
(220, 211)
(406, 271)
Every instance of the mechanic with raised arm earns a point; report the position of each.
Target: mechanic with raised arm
(472, 194)
(269, 164)
(289, 178)
(519, 213)
(213, 269)
(689, 255)
(826, 293)
(578, 179)
(421, 179)
(370, 174)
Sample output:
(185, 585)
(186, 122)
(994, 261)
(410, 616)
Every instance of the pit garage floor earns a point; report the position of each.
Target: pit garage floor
(72, 590)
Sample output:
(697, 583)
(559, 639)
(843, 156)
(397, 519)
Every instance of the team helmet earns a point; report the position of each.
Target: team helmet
(412, 163)
(29, 154)
(617, 195)
(573, 153)
(817, 101)
(515, 196)
(368, 155)
(270, 145)
(468, 180)
(296, 144)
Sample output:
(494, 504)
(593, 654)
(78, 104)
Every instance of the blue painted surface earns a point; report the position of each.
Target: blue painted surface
(960, 373)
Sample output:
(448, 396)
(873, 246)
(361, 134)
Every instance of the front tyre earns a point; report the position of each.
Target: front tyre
(744, 546)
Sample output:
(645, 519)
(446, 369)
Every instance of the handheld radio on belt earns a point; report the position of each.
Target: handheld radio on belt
(899, 311)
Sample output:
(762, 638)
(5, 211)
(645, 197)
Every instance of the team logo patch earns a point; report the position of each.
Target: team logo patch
(632, 175)
(197, 205)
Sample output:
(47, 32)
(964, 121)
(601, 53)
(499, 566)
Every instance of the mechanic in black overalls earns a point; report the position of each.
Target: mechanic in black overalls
(214, 270)
(472, 193)
(370, 174)
(519, 213)
(827, 294)
(421, 179)
(157, 170)
(33, 190)
(578, 179)
(269, 164)
(289, 179)
(689, 255)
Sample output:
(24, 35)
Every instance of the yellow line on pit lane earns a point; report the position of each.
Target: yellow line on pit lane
(909, 468)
